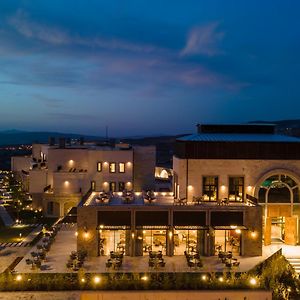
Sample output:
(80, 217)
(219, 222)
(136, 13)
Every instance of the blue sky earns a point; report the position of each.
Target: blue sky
(147, 67)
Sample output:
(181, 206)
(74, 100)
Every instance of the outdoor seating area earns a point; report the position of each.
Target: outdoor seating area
(76, 260)
(103, 197)
(149, 197)
(39, 256)
(156, 260)
(181, 201)
(193, 259)
(127, 196)
(228, 260)
(224, 201)
(197, 200)
(115, 261)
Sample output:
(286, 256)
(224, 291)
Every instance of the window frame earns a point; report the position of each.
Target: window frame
(109, 167)
(216, 186)
(111, 183)
(99, 163)
(119, 169)
(236, 188)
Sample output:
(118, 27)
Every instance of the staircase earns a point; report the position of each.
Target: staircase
(295, 262)
(6, 218)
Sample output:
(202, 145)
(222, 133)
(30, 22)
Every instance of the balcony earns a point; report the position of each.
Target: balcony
(158, 199)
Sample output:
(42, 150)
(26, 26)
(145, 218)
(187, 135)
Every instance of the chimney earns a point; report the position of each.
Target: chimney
(51, 141)
(62, 142)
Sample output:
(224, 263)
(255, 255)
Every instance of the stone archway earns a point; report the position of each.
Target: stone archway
(276, 191)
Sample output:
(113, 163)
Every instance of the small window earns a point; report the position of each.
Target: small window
(99, 166)
(121, 186)
(112, 168)
(93, 185)
(121, 167)
(112, 186)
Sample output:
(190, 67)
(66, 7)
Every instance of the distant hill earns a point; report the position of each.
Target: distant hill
(17, 137)
(287, 127)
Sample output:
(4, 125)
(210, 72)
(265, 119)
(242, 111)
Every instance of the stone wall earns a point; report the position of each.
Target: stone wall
(144, 168)
(252, 237)
(87, 222)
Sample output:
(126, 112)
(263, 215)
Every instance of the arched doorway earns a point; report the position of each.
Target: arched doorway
(277, 193)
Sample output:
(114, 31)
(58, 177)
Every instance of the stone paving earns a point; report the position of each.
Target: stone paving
(65, 242)
(57, 257)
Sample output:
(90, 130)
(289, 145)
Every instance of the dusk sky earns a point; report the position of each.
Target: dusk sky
(147, 67)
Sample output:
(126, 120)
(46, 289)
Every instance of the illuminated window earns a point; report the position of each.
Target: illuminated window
(112, 186)
(112, 167)
(121, 167)
(236, 189)
(99, 166)
(210, 188)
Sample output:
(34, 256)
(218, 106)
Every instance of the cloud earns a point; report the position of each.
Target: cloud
(57, 36)
(204, 40)
(30, 29)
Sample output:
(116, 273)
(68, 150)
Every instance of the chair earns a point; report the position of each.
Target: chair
(151, 264)
(108, 264)
(191, 264)
(236, 263)
(162, 264)
(199, 264)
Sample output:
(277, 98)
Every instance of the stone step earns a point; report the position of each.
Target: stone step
(295, 262)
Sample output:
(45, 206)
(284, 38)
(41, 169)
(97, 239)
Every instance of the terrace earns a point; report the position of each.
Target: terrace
(65, 243)
(156, 199)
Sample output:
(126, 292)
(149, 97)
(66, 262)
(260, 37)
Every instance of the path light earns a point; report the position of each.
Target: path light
(144, 278)
(97, 279)
(221, 279)
(204, 277)
(82, 280)
(253, 281)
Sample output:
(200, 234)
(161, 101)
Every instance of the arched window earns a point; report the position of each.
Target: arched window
(278, 189)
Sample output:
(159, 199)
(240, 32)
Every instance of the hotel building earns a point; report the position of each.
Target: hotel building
(59, 175)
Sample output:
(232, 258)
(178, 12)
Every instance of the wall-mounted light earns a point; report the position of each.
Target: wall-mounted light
(249, 188)
(223, 187)
(170, 234)
(190, 187)
(238, 231)
(253, 234)
(132, 235)
(105, 183)
(66, 183)
(97, 279)
(129, 164)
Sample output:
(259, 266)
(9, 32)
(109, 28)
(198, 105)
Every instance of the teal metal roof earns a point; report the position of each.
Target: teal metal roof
(232, 137)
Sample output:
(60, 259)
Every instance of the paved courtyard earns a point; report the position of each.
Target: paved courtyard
(65, 242)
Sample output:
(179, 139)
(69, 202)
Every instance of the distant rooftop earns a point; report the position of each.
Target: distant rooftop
(256, 128)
